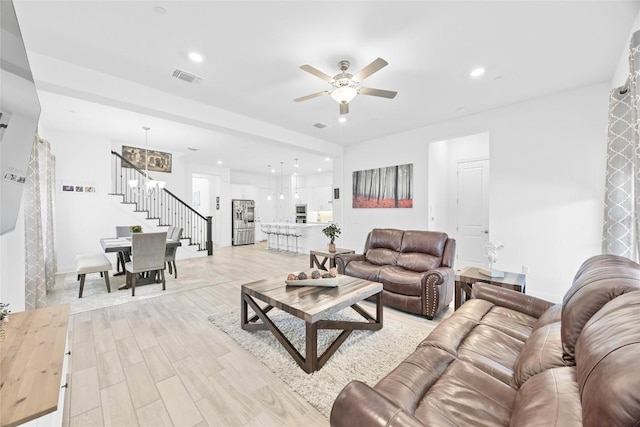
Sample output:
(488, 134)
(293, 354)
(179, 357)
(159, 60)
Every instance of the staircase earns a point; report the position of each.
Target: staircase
(161, 205)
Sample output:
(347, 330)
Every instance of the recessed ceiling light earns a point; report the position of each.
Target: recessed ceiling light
(327, 159)
(219, 162)
(319, 169)
(273, 171)
(342, 119)
(477, 72)
(195, 57)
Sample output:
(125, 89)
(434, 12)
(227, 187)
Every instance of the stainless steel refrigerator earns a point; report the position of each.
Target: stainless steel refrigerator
(243, 225)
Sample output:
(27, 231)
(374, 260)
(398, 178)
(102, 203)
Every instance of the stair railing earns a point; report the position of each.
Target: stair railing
(161, 205)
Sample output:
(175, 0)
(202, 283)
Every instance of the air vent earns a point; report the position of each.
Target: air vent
(185, 76)
(320, 125)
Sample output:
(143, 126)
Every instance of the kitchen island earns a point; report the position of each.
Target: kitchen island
(311, 236)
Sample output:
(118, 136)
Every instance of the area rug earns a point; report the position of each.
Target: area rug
(95, 291)
(366, 355)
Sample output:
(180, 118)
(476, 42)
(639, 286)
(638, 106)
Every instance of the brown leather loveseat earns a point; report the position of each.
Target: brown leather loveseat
(505, 358)
(414, 267)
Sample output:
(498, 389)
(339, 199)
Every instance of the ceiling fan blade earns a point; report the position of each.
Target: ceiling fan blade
(316, 72)
(377, 92)
(376, 65)
(313, 95)
(344, 108)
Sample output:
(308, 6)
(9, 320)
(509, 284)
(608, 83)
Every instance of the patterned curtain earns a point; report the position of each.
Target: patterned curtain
(39, 206)
(622, 192)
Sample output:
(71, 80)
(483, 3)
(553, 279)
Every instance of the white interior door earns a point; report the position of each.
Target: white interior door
(472, 212)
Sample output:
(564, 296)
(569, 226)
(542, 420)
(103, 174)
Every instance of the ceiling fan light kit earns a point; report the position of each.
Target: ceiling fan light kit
(345, 86)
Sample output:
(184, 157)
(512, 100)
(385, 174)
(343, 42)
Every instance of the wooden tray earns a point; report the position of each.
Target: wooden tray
(330, 282)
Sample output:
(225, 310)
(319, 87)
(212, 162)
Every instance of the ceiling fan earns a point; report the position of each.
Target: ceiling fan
(346, 86)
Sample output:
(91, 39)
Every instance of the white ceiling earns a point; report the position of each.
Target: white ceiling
(252, 52)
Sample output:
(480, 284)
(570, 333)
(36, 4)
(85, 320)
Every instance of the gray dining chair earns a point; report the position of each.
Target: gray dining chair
(170, 253)
(122, 231)
(147, 255)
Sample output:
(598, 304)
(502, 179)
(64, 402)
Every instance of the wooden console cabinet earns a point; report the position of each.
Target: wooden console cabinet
(33, 367)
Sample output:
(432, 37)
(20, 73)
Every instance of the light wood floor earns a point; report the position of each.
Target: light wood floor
(159, 361)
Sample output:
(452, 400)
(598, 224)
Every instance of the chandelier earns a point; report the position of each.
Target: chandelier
(145, 184)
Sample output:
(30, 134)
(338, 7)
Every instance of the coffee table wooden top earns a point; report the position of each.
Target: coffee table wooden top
(312, 303)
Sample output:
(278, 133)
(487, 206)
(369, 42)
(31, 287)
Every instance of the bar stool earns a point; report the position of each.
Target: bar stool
(281, 231)
(293, 232)
(266, 229)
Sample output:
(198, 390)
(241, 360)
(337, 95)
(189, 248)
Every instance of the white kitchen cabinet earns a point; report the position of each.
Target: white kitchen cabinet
(244, 191)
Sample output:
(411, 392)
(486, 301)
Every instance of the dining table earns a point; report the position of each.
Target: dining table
(122, 246)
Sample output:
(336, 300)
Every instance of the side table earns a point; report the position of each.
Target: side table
(330, 256)
(466, 277)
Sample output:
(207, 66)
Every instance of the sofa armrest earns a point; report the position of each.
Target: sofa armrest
(360, 405)
(343, 259)
(439, 276)
(508, 298)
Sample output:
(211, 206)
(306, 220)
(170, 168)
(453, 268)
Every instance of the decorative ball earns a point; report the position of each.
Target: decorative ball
(292, 276)
(302, 276)
(315, 274)
(333, 272)
(327, 276)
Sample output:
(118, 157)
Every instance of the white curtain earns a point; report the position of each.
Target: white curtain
(621, 231)
(40, 261)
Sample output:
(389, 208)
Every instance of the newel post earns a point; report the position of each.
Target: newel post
(209, 235)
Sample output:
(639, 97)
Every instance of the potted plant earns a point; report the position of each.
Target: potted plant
(136, 229)
(332, 232)
(4, 317)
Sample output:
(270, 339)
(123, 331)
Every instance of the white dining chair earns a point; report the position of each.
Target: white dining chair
(147, 255)
(122, 231)
(170, 252)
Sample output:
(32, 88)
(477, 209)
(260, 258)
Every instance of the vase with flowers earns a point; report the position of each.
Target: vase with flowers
(332, 231)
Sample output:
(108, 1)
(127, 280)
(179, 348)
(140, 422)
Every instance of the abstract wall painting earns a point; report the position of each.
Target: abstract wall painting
(390, 187)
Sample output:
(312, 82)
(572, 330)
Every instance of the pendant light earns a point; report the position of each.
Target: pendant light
(269, 182)
(281, 180)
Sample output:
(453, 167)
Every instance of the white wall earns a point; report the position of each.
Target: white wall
(547, 182)
(444, 157)
(220, 177)
(12, 269)
(622, 70)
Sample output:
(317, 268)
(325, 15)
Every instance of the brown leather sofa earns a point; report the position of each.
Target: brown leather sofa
(505, 358)
(414, 267)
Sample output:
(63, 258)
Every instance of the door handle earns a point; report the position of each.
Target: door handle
(485, 231)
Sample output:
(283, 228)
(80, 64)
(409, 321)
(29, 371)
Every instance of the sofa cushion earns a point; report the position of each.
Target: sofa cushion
(607, 354)
(542, 351)
(363, 270)
(514, 323)
(401, 281)
(388, 238)
(381, 256)
(407, 384)
(550, 399)
(466, 396)
(599, 280)
(384, 246)
(421, 250)
(491, 351)
(552, 315)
